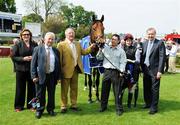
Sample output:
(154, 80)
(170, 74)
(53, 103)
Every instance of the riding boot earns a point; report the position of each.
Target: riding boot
(136, 95)
(129, 100)
(90, 89)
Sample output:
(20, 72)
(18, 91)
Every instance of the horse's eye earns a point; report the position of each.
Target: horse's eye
(94, 29)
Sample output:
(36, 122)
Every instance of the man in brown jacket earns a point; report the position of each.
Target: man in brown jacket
(71, 65)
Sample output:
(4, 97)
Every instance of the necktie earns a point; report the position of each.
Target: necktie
(48, 60)
(148, 53)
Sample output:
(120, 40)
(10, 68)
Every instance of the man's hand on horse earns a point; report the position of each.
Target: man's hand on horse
(93, 46)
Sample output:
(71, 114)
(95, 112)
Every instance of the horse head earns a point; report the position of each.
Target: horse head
(97, 31)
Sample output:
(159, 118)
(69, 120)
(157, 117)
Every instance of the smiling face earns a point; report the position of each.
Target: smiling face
(129, 42)
(114, 41)
(70, 34)
(26, 36)
(49, 39)
(151, 34)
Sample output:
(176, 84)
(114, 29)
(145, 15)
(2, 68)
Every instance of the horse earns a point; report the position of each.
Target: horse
(96, 36)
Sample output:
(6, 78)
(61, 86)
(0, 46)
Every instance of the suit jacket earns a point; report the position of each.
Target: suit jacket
(38, 64)
(157, 56)
(67, 60)
(19, 51)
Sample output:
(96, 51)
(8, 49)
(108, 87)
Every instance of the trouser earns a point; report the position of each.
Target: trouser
(151, 89)
(50, 84)
(166, 63)
(21, 79)
(73, 84)
(111, 76)
(172, 64)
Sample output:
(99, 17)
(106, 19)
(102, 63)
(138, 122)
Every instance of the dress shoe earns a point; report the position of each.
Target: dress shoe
(146, 107)
(76, 109)
(63, 110)
(17, 110)
(153, 112)
(119, 113)
(51, 113)
(102, 109)
(38, 115)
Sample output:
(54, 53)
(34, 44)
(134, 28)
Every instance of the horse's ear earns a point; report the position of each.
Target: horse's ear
(93, 18)
(102, 18)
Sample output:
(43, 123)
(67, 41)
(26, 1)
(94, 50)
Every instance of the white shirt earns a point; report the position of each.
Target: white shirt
(52, 58)
(173, 51)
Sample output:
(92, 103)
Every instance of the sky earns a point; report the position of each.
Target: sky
(131, 16)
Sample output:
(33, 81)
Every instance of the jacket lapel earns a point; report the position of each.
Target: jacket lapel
(154, 45)
(68, 48)
(44, 52)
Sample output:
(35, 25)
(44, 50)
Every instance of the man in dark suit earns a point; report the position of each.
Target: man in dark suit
(45, 71)
(152, 60)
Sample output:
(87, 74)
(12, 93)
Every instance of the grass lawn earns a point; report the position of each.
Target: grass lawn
(169, 105)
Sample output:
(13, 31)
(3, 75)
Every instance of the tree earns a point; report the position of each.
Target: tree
(32, 18)
(33, 6)
(55, 24)
(78, 18)
(46, 7)
(8, 6)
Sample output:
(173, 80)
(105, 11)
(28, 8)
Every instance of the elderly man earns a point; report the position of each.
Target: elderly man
(71, 64)
(45, 71)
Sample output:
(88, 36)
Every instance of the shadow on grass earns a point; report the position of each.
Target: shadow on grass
(93, 108)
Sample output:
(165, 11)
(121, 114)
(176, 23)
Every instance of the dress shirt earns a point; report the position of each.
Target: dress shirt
(148, 50)
(173, 51)
(74, 51)
(52, 58)
(113, 58)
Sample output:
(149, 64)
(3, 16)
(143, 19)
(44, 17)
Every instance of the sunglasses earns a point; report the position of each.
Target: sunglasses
(25, 34)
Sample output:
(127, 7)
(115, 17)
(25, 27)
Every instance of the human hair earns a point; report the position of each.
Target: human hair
(25, 30)
(70, 28)
(49, 34)
(128, 36)
(151, 29)
(116, 35)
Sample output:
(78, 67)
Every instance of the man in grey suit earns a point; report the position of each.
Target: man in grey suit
(45, 71)
(152, 60)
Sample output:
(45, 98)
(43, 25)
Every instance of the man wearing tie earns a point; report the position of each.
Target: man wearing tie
(71, 64)
(152, 60)
(45, 71)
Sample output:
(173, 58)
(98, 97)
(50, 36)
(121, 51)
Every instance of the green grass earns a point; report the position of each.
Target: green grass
(169, 105)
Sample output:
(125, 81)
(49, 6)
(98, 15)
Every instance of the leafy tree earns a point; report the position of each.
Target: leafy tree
(32, 18)
(8, 6)
(78, 18)
(55, 24)
(82, 31)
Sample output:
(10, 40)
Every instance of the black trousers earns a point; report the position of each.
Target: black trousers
(21, 79)
(50, 84)
(167, 63)
(111, 76)
(151, 89)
